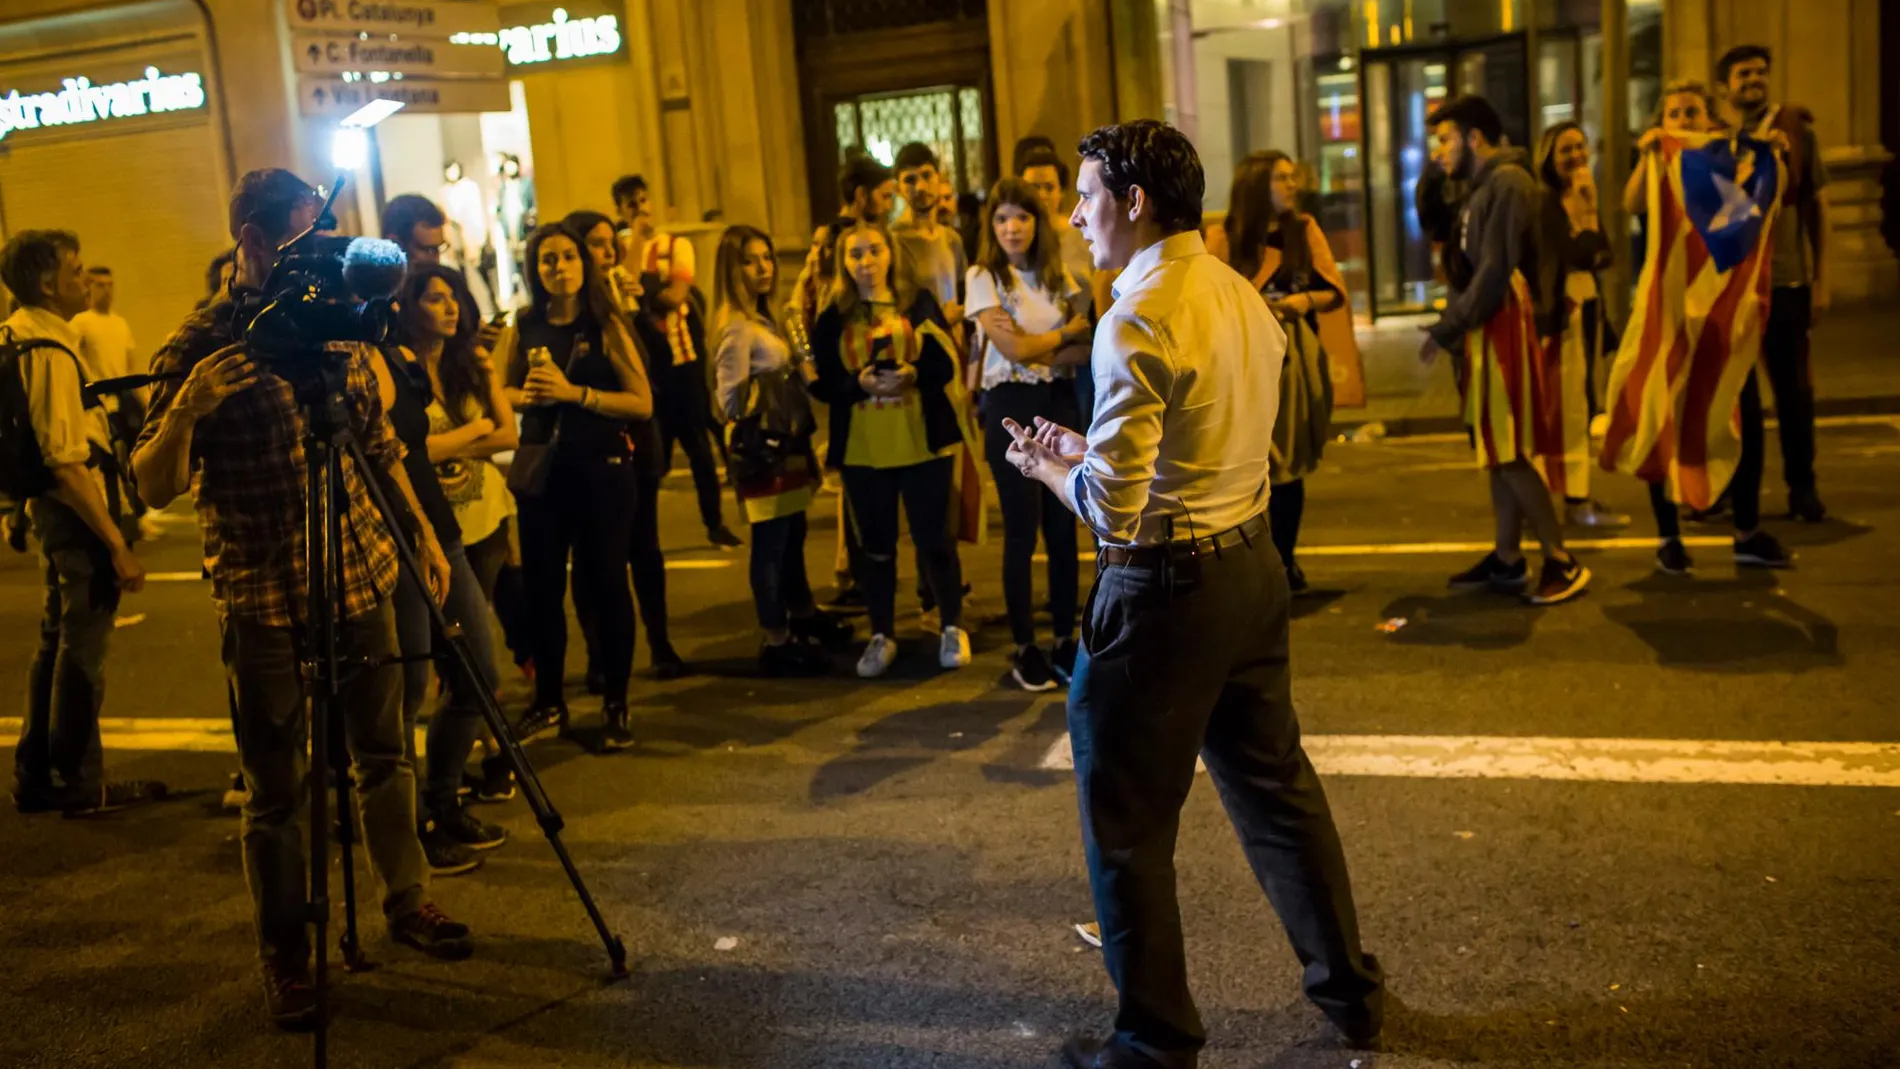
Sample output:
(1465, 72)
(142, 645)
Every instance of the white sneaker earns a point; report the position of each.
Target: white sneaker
(877, 657)
(954, 650)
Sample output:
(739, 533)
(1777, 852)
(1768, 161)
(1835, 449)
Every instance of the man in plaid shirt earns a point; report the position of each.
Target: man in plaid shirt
(236, 425)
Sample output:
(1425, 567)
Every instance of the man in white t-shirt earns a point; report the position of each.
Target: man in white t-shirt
(105, 349)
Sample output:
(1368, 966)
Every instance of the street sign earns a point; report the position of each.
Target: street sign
(319, 96)
(331, 54)
(436, 19)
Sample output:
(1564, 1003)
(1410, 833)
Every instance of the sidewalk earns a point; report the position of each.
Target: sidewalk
(1856, 371)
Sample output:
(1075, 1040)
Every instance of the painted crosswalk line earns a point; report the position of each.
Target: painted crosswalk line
(1794, 764)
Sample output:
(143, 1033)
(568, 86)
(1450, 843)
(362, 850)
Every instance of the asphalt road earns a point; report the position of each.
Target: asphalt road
(884, 875)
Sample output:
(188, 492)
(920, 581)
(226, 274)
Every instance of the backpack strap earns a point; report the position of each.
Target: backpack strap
(23, 346)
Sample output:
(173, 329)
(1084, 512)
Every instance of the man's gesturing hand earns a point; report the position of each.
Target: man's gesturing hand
(1037, 459)
(215, 378)
(1062, 440)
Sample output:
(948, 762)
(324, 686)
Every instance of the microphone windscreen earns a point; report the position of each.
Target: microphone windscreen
(374, 268)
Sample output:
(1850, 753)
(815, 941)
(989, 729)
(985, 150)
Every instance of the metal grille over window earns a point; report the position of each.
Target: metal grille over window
(975, 167)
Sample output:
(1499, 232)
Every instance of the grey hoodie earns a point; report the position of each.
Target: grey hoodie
(1498, 236)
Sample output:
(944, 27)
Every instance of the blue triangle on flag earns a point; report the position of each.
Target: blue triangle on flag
(1729, 187)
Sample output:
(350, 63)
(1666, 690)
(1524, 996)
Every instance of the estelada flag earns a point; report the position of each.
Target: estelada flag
(1696, 322)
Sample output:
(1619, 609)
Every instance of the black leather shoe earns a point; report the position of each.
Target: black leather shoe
(1083, 1052)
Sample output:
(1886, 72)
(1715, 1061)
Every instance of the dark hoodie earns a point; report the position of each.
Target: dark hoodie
(1499, 236)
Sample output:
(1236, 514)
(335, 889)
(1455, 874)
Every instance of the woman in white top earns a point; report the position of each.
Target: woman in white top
(750, 358)
(1035, 320)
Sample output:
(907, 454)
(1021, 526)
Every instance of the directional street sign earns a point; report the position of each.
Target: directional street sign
(319, 96)
(403, 18)
(332, 54)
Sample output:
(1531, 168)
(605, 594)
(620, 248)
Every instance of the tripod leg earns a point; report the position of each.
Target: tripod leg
(320, 685)
(464, 666)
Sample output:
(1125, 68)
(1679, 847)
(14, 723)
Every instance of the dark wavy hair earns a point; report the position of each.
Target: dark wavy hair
(596, 299)
(1158, 158)
(1251, 217)
(461, 379)
(582, 221)
(1045, 252)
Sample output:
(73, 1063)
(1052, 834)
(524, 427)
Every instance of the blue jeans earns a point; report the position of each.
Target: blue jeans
(779, 587)
(59, 736)
(1196, 665)
(457, 721)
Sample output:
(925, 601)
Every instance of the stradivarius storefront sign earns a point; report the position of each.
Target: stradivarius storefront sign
(562, 37)
(80, 101)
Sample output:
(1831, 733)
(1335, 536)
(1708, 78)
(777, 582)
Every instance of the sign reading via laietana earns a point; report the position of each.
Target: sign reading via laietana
(79, 101)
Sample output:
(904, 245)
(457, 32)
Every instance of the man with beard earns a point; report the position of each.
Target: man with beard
(934, 251)
(1492, 313)
(1798, 267)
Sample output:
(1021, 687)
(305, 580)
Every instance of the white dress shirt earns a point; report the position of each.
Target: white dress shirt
(1187, 384)
(67, 430)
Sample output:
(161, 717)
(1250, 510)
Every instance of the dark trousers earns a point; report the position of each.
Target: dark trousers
(273, 730)
(586, 511)
(1198, 667)
(1784, 351)
(1028, 509)
(1744, 490)
(501, 585)
(780, 589)
(1286, 507)
(66, 686)
(648, 564)
(456, 722)
(685, 418)
(924, 491)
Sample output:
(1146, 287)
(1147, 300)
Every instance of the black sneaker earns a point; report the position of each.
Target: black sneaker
(1494, 574)
(432, 932)
(464, 827)
(824, 629)
(1064, 660)
(1760, 550)
(1295, 579)
(793, 659)
(44, 799)
(290, 999)
(540, 720)
(849, 601)
(446, 857)
(667, 664)
(1031, 669)
(1805, 505)
(1560, 581)
(116, 796)
(723, 537)
(498, 780)
(615, 735)
(1673, 559)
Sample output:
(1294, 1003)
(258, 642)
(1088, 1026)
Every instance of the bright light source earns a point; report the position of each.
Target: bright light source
(371, 113)
(349, 149)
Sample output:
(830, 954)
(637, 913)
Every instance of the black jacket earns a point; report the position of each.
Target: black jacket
(837, 386)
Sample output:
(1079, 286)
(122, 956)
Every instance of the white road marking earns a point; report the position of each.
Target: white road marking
(1795, 764)
(671, 566)
(1401, 549)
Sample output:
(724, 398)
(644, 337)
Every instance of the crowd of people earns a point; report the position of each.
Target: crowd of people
(938, 357)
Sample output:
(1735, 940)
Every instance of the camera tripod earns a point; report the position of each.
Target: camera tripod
(327, 439)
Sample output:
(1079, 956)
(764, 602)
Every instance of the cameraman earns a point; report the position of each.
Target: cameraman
(237, 424)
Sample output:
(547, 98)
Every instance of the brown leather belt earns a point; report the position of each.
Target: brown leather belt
(1153, 556)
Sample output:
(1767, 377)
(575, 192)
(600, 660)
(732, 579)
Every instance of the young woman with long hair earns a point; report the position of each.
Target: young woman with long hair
(649, 465)
(1035, 322)
(1571, 323)
(885, 367)
(576, 374)
(1283, 251)
(450, 834)
(750, 358)
(1687, 108)
(470, 421)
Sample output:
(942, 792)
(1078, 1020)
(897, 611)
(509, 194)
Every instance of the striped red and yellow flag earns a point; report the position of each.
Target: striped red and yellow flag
(1695, 325)
(1513, 401)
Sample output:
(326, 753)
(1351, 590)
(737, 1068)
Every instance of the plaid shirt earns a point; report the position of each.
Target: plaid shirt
(251, 487)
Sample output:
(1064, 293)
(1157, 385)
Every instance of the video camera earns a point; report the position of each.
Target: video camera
(324, 288)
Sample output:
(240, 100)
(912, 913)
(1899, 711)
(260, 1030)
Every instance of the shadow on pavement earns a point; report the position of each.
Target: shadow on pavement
(1480, 620)
(1743, 624)
(910, 739)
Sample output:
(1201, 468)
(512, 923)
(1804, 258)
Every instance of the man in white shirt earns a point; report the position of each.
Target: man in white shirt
(87, 564)
(1185, 637)
(105, 349)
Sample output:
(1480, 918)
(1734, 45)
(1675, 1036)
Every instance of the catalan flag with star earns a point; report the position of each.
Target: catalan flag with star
(1695, 324)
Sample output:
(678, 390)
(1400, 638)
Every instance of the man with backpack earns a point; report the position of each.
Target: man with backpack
(51, 448)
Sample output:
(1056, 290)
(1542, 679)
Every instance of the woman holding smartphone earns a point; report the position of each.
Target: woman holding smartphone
(1035, 320)
(574, 371)
(884, 366)
(649, 466)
